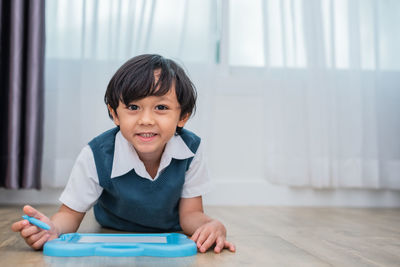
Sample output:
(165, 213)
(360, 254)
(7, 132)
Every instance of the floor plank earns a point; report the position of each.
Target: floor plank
(273, 236)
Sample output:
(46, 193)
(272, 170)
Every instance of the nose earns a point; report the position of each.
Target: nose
(146, 118)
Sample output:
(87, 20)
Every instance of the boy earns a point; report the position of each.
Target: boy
(145, 175)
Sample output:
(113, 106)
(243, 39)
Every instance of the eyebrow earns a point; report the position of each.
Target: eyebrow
(163, 97)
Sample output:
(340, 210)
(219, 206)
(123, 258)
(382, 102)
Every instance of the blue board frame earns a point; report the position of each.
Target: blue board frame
(68, 245)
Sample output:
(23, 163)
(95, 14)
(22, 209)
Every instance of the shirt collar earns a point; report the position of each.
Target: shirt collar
(126, 157)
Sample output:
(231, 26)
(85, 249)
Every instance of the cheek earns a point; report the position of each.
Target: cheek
(169, 126)
(126, 120)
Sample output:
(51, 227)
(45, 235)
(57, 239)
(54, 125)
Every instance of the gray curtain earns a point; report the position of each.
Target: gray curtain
(22, 29)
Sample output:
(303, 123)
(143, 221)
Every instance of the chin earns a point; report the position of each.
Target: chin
(145, 150)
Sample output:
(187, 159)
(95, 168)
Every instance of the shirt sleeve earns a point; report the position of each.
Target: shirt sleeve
(197, 179)
(83, 189)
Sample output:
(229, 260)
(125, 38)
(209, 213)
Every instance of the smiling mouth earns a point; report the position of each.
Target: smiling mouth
(147, 135)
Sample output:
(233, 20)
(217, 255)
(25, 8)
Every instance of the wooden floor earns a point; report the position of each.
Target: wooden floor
(264, 236)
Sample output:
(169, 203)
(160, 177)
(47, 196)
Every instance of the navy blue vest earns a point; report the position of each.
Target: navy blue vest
(134, 204)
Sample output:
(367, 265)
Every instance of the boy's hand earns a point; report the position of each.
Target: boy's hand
(211, 233)
(34, 236)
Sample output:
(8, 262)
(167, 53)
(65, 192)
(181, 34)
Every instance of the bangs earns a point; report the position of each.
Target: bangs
(143, 84)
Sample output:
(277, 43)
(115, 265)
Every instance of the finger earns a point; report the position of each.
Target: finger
(202, 237)
(30, 230)
(18, 226)
(39, 243)
(30, 211)
(208, 243)
(230, 246)
(219, 245)
(30, 240)
(196, 235)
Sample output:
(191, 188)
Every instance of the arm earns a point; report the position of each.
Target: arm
(204, 230)
(67, 220)
(64, 221)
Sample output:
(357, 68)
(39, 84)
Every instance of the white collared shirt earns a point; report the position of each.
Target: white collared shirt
(83, 188)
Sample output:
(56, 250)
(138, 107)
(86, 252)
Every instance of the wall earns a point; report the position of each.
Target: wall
(243, 193)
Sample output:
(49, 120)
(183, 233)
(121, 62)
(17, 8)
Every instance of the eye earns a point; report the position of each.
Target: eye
(132, 107)
(161, 107)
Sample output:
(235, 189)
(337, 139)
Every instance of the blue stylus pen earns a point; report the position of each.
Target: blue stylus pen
(37, 222)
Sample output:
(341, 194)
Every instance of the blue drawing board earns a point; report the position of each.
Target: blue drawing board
(120, 245)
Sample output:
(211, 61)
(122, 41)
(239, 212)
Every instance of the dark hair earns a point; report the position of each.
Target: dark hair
(134, 80)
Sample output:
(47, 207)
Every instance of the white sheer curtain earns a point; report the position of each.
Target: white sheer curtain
(298, 92)
(331, 88)
(116, 30)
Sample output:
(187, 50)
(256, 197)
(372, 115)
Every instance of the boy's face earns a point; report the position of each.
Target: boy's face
(149, 123)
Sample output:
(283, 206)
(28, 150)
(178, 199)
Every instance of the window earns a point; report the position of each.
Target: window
(339, 34)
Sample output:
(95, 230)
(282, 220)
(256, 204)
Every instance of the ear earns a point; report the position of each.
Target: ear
(113, 114)
(183, 120)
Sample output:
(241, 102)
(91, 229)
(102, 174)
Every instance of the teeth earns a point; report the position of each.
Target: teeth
(147, 135)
